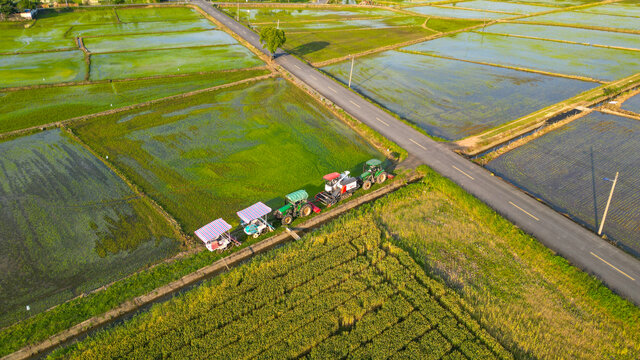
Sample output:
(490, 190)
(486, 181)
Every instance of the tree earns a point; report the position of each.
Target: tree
(7, 7)
(272, 38)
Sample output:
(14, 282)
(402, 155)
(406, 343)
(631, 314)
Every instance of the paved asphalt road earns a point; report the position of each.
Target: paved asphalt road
(617, 269)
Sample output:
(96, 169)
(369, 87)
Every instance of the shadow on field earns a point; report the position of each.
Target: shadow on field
(310, 47)
(593, 186)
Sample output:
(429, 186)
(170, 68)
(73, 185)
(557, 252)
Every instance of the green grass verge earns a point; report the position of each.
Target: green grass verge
(19, 109)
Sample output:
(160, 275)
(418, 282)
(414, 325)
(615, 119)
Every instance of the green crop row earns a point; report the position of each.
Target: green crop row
(359, 299)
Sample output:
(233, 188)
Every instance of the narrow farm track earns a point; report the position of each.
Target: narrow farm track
(617, 269)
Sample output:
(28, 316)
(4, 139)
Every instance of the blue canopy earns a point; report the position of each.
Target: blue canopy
(253, 212)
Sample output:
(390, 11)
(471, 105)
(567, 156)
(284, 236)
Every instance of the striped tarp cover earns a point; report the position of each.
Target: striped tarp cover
(212, 230)
(254, 211)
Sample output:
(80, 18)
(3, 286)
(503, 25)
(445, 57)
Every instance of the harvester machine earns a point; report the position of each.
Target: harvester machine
(296, 205)
(337, 186)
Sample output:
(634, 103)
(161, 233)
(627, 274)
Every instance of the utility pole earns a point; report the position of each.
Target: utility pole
(278, 27)
(351, 72)
(606, 209)
(238, 11)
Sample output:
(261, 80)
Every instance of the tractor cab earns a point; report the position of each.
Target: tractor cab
(296, 204)
(372, 173)
(372, 166)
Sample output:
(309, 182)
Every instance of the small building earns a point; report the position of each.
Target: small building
(29, 14)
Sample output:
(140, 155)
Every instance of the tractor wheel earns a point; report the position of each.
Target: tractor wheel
(366, 185)
(306, 210)
(381, 178)
(288, 219)
(255, 236)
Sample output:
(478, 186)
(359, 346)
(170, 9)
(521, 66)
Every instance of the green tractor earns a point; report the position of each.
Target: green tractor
(295, 205)
(372, 173)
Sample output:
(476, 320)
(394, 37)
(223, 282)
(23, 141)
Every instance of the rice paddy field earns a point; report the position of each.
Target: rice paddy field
(632, 104)
(19, 111)
(589, 19)
(321, 35)
(342, 292)
(68, 225)
(571, 59)
(451, 99)
(121, 43)
(585, 36)
(566, 169)
(215, 153)
(453, 12)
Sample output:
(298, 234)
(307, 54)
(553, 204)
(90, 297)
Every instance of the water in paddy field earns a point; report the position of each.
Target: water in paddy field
(589, 19)
(569, 59)
(457, 13)
(453, 99)
(501, 6)
(159, 41)
(218, 152)
(632, 104)
(68, 225)
(566, 169)
(585, 36)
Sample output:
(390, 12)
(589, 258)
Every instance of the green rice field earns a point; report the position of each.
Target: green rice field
(145, 14)
(566, 168)
(452, 12)
(597, 63)
(267, 15)
(632, 104)
(588, 19)
(16, 38)
(43, 68)
(66, 17)
(587, 36)
(343, 292)
(173, 61)
(19, 111)
(140, 27)
(68, 225)
(124, 43)
(215, 153)
(508, 7)
(628, 8)
(452, 99)
(321, 35)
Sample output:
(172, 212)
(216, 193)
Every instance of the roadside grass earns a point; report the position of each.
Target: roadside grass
(18, 110)
(214, 153)
(534, 302)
